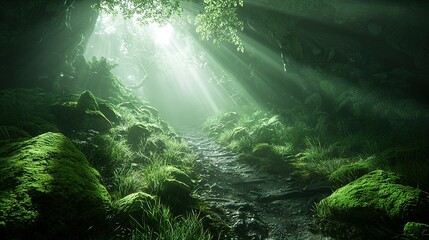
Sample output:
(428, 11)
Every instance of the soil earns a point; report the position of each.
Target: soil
(258, 205)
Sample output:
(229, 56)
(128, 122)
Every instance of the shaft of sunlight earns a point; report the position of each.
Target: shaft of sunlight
(176, 74)
(162, 33)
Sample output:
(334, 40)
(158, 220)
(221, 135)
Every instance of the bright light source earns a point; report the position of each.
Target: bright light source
(162, 33)
(165, 67)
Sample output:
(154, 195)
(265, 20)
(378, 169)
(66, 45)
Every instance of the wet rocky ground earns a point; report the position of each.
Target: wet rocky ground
(257, 204)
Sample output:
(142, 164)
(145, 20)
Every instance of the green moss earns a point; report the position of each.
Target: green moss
(48, 188)
(371, 200)
(178, 175)
(416, 231)
(81, 116)
(86, 101)
(265, 150)
(109, 111)
(138, 134)
(132, 207)
(177, 195)
(266, 157)
(94, 120)
(213, 222)
(171, 184)
(349, 173)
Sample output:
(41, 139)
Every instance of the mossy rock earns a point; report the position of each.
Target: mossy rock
(94, 120)
(137, 134)
(11, 132)
(265, 150)
(48, 189)
(177, 195)
(131, 208)
(375, 199)
(348, 173)
(154, 146)
(87, 102)
(271, 165)
(109, 112)
(178, 175)
(81, 116)
(174, 189)
(416, 231)
(212, 221)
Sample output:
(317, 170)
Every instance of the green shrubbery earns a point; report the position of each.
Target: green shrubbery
(311, 150)
(154, 163)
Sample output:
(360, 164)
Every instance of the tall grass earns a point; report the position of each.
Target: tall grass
(126, 181)
(188, 227)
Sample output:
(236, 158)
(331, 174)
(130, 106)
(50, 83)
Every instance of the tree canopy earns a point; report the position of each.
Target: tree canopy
(217, 22)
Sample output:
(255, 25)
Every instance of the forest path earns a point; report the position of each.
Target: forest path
(258, 204)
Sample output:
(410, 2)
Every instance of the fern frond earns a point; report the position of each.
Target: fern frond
(328, 88)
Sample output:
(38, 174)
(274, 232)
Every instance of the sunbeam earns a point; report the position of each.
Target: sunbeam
(214, 119)
(179, 76)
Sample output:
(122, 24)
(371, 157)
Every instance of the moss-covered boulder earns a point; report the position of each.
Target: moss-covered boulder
(48, 190)
(174, 188)
(87, 102)
(416, 231)
(155, 145)
(376, 200)
(109, 111)
(82, 115)
(94, 120)
(179, 175)
(131, 208)
(266, 157)
(177, 195)
(265, 150)
(138, 134)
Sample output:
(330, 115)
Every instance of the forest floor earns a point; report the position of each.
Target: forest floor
(257, 204)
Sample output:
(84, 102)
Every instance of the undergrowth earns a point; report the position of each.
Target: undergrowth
(187, 227)
(320, 148)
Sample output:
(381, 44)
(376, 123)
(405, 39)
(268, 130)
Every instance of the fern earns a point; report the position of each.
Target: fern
(383, 107)
(354, 98)
(328, 88)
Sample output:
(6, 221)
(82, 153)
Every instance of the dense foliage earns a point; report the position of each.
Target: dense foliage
(218, 21)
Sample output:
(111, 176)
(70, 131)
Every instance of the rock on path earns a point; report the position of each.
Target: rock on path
(258, 205)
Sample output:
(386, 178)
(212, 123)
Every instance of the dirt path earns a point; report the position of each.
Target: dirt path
(259, 205)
